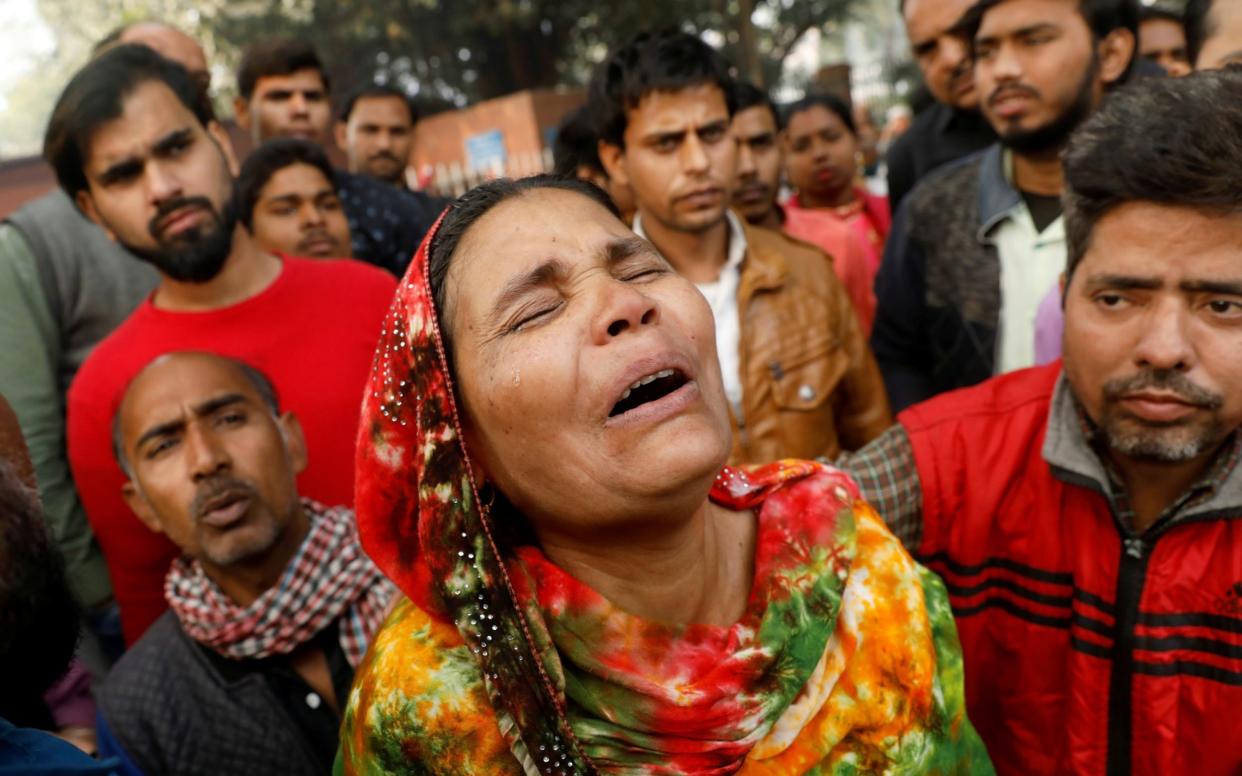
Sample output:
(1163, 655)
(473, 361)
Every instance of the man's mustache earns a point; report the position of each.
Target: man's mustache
(1168, 380)
(214, 488)
(171, 206)
(385, 155)
(1008, 90)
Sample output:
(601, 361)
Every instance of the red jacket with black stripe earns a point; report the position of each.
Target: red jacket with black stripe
(1088, 649)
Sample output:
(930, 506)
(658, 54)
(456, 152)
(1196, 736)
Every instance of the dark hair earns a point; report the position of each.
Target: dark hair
(39, 616)
(260, 382)
(746, 95)
(95, 96)
(1172, 142)
(1102, 16)
(1149, 13)
(378, 90)
(1199, 24)
(828, 101)
(276, 57)
(576, 144)
(665, 61)
(269, 159)
(473, 205)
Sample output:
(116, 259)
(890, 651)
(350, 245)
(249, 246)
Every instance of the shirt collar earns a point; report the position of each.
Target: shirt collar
(737, 240)
(1068, 450)
(997, 195)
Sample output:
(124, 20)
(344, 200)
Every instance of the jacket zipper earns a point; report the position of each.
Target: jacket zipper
(1131, 576)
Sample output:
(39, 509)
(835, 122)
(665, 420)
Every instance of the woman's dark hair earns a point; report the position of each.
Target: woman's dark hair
(1174, 142)
(664, 61)
(269, 159)
(96, 95)
(830, 101)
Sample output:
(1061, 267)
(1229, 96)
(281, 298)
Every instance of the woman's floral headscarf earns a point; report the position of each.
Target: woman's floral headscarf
(846, 652)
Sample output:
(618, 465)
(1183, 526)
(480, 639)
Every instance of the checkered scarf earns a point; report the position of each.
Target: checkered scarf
(329, 578)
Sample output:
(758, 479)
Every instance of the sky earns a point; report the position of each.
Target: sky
(23, 39)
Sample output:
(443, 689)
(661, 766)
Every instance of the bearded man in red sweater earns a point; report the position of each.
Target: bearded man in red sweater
(134, 144)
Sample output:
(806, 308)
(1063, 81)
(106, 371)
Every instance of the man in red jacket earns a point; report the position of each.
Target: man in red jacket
(1087, 518)
(134, 144)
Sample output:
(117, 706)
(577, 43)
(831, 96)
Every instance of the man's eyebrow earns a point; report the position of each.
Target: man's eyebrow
(1228, 287)
(1032, 29)
(660, 137)
(284, 199)
(212, 405)
(173, 139)
(1125, 282)
(624, 248)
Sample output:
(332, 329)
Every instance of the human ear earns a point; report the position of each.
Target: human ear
(295, 441)
(219, 134)
(341, 133)
(138, 503)
(1115, 52)
(613, 158)
(86, 203)
(241, 112)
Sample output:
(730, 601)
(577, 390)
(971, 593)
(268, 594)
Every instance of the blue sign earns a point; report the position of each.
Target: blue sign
(485, 150)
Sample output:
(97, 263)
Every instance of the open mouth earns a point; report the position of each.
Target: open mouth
(225, 509)
(651, 388)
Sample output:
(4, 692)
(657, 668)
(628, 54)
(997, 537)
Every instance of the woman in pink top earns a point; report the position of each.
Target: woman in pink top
(821, 162)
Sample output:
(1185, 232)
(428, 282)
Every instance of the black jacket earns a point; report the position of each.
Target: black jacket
(938, 291)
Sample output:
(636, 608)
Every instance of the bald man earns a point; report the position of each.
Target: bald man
(64, 286)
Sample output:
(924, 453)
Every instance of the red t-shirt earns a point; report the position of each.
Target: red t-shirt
(312, 332)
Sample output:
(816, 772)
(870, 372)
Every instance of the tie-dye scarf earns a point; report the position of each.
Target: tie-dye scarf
(846, 659)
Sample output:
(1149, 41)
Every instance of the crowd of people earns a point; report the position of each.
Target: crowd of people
(713, 451)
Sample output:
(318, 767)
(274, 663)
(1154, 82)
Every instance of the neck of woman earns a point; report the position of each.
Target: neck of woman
(816, 200)
(700, 572)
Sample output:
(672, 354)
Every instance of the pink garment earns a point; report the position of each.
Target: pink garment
(849, 256)
(70, 700)
(869, 216)
(1049, 326)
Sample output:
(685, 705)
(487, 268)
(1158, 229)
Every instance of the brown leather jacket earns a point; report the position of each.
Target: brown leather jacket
(810, 386)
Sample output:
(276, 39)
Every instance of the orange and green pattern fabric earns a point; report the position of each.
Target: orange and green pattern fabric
(846, 662)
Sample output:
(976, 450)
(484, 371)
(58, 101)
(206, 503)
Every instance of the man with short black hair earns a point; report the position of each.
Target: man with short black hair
(286, 199)
(797, 372)
(952, 126)
(1162, 39)
(375, 129)
(760, 158)
(283, 91)
(978, 246)
(133, 145)
(1213, 33)
(273, 601)
(1087, 517)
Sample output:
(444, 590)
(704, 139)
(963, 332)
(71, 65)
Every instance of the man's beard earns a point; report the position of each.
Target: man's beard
(1055, 134)
(1173, 442)
(196, 255)
(394, 172)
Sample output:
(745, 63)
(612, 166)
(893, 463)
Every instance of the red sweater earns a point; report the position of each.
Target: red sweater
(312, 332)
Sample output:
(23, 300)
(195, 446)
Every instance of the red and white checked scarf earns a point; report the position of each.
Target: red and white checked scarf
(329, 578)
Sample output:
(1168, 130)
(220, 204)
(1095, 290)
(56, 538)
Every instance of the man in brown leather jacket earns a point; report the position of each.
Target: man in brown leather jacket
(800, 378)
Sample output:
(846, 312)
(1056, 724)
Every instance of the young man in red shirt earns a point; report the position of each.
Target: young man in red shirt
(134, 144)
(1087, 516)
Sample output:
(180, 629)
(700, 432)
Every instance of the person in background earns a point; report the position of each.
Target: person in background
(286, 199)
(980, 244)
(951, 127)
(375, 129)
(133, 144)
(760, 162)
(64, 286)
(821, 162)
(1213, 33)
(575, 154)
(1162, 39)
(273, 601)
(797, 372)
(283, 91)
(39, 621)
(1087, 516)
